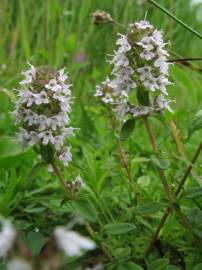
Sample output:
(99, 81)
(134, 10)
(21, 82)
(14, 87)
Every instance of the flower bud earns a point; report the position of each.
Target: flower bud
(100, 17)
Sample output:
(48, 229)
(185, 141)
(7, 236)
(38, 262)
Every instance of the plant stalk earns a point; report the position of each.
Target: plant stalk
(160, 171)
(177, 192)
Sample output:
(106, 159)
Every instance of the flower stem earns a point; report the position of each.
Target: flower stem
(160, 171)
(87, 225)
(177, 192)
(175, 18)
(59, 175)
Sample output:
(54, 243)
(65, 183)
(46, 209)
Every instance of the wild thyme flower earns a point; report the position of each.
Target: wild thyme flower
(72, 243)
(139, 66)
(43, 110)
(7, 237)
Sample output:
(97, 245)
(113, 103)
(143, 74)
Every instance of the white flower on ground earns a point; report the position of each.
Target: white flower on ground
(72, 243)
(43, 109)
(18, 264)
(7, 237)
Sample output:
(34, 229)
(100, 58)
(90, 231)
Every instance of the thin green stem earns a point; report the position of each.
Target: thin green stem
(87, 225)
(177, 192)
(175, 18)
(160, 171)
(59, 175)
(184, 59)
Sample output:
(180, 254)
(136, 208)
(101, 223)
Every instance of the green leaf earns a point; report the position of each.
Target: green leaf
(196, 124)
(162, 164)
(47, 153)
(133, 266)
(149, 208)
(10, 152)
(118, 228)
(172, 267)
(144, 180)
(127, 129)
(192, 193)
(35, 241)
(143, 97)
(121, 253)
(159, 264)
(198, 266)
(86, 208)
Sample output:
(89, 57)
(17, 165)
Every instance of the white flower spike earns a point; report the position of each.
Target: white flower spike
(43, 110)
(139, 66)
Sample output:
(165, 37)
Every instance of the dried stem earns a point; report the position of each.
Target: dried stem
(177, 192)
(160, 171)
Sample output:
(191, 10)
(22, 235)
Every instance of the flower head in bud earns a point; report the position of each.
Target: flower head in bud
(139, 77)
(72, 243)
(43, 110)
(100, 17)
(7, 237)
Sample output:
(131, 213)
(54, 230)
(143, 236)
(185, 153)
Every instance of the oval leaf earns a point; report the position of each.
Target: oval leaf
(86, 209)
(162, 164)
(127, 129)
(149, 208)
(143, 97)
(118, 228)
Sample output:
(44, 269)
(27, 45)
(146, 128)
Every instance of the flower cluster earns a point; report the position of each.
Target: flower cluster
(7, 237)
(139, 66)
(43, 110)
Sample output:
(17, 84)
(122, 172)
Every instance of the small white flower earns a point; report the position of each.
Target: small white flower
(18, 264)
(29, 117)
(22, 136)
(29, 75)
(58, 141)
(72, 243)
(41, 98)
(124, 44)
(7, 237)
(50, 168)
(42, 121)
(62, 76)
(33, 138)
(143, 25)
(53, 85)
(46, 137)
(66, 156)
(147, 55)
(146, 43)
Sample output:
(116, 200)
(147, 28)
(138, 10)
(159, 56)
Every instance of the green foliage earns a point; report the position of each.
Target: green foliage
(127, 129)
(122, 211)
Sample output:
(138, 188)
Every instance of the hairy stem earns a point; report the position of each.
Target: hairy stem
(177, 192)
(160, 171)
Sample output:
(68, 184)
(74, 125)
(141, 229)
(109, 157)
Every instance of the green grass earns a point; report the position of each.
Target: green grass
(58, 33)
